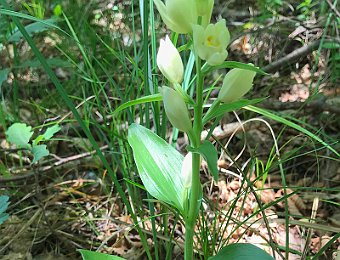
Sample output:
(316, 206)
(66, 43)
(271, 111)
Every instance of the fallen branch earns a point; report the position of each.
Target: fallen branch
(292, 57)
(317, 106)
(59, 163)
(295, 55)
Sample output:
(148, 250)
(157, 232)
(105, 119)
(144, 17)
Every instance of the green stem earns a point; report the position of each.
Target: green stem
(212, 109)
(189, 241)
(195, 141)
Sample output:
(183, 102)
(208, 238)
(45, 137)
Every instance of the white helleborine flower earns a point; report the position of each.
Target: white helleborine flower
(236, 83)
(210, 43)
(204, 7)
(169, 61)
(180, 15)
(176, 109)
(187, 171)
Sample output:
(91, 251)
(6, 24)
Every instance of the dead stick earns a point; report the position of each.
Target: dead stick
(61, 162)
(318, 105)
(291, 57)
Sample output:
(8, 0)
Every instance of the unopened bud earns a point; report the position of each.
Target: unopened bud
(169, 61)
(187, 171)
(204, 7)
(178, 15)
(236, 83)
(176, 109)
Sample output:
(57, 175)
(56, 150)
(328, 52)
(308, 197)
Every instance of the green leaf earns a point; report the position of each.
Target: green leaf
(39, 151)
(32, 18)
(4, 26)
(135, 184)
(38, 139)
(3, 206)
(50, 131)
(19, 134)
(291, 124)
(142, 100)
(90, 255)
(3, 76)
(33, 28)
(241, 251)
(57, 10)
(331, 45)
(224, 108)
(235, 64)
(159, 165)
(335, 57)
(209, 153)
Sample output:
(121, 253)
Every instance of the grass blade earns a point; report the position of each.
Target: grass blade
(282, 120)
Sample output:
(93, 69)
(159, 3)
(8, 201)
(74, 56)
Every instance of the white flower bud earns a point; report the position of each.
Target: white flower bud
(176, 109)
(169, 61)
(180, 15)
(204, 7)
(187, 170)
(236, 83)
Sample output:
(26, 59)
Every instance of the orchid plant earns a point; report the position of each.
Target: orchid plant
(165, 173)
(170, 177)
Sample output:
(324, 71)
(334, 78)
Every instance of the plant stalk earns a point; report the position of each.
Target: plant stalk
(195, 141)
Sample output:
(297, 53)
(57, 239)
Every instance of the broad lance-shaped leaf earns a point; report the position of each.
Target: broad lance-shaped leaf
(159, 165)
(241, 251)
(209, 153)
(91, 255)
